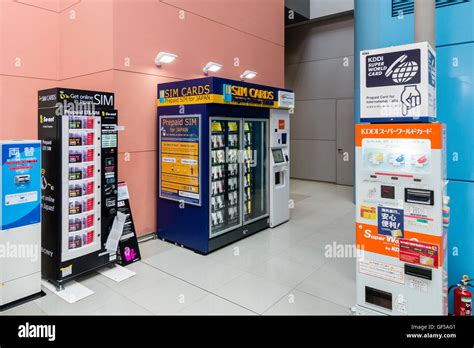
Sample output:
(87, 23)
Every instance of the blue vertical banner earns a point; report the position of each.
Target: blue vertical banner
(21, 184)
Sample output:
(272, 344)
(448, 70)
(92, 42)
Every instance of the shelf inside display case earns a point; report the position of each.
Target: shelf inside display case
(225, 176)
(81, 239)
(254, 173)
(82, 191)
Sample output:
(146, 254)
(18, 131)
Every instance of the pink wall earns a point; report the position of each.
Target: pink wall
(111, 45)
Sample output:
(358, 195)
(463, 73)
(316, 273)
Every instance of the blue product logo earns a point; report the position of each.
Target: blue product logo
(431, 69)
(395, 68)
(162, 97)
(227, 92)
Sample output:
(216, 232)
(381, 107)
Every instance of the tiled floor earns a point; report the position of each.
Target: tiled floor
(277, 271)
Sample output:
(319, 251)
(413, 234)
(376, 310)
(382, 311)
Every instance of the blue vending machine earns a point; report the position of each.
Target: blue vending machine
(20, 222)
(385, 23)
(214, 155)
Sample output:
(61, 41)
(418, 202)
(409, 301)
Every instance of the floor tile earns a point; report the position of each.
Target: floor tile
(283, 270)
(214, 305)
(146, 276)
(29, 308)
(53, 304)
(152, 247)
(121, 306)
(240, 256)
(305, 254)
(210, 276)
(252, 292)
(300, 303)
(168, 296)
(335, 282)
(176, 260)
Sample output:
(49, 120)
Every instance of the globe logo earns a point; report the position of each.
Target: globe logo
(405, 72)
(402, 71)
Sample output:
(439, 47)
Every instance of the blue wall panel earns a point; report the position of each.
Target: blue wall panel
(455, 94)
(461, 231)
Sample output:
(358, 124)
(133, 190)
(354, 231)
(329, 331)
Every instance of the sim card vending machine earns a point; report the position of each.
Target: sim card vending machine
(78, 133)
(400, 228)
(214, 160)
(279, 167)
(20, 225)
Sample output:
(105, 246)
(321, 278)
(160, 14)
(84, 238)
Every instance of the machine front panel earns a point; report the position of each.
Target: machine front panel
(400, 232)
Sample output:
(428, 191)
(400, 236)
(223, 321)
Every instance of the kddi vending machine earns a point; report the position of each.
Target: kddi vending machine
(78, 132)
(401, 203)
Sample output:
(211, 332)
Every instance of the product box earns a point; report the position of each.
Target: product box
(398, 84)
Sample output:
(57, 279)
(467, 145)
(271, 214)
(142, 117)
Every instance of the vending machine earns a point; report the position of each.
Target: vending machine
(402, 212)
(78, 134)
(279, 167)
(400, 228)
(20, 222)
(214, 160)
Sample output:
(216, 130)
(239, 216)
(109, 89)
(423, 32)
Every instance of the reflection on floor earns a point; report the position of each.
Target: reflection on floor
(277, 271)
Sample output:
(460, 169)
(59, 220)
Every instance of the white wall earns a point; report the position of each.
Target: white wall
(321, 8)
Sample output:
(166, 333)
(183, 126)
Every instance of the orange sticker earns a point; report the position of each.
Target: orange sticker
(431, 131)
(281, 124)
(368, 239)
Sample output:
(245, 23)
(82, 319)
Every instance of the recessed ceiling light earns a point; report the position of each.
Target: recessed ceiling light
(248, 74)
(212, 67)
(164, 57)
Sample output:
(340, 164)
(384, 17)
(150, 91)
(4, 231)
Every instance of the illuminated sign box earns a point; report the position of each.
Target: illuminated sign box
(223, 91)
(398, 84)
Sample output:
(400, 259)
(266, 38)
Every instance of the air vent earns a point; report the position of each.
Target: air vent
(407, 6)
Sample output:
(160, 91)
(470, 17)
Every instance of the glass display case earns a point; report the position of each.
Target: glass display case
(238, 178)
(82, 214)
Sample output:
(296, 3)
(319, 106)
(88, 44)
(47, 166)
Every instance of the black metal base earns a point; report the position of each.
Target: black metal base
(227, 238)
(60, 283)
(237, 234)
(22, 301)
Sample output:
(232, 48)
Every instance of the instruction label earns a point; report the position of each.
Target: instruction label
(382, 270)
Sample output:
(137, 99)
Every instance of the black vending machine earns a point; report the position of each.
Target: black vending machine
(78, 132)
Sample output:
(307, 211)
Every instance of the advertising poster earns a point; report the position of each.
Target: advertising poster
(180, 167)
(21, 170)
(390, 221)
(128, 249)
(419, 253)
(398, 83)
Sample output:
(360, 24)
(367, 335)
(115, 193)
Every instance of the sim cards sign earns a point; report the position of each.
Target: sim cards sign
(398, 84)
(390, 222)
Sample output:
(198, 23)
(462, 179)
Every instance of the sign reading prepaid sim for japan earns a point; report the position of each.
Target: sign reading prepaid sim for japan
(398, 84)
(180, 168)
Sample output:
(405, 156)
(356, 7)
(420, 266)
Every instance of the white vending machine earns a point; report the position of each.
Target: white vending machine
(401, 219)
(279, 167)
(20, 225)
